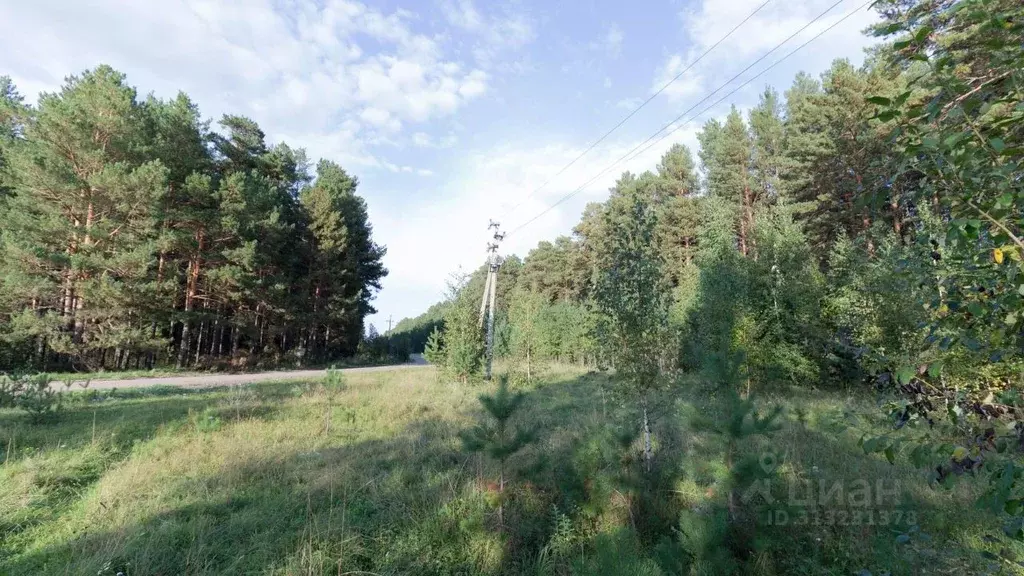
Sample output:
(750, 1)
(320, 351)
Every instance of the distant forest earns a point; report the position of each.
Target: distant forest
(135, 235)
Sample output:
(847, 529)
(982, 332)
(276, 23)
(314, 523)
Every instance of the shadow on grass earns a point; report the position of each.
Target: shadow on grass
(380, 505)
(846, 511)
(115, 419)
(414, 503)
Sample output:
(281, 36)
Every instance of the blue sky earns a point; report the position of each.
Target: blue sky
(450, 112)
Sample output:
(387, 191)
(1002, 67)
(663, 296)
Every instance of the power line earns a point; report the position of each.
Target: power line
(751, 79)
(638, 108)
(631, 154)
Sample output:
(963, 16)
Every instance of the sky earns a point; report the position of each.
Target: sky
(450, 112)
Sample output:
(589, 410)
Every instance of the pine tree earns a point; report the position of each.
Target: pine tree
(131, 232)
(82, 225)
(717, 540)
(678, 211)
(837, 155)
(770, 160)
(328, 270)
(433, 350)
(496, 437)
(726, 153)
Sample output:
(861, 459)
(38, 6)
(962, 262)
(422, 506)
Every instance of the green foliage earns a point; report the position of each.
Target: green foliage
(632, 297)
(527, 346)
(618, 554)
(630, 290)
(32, 394)
(496, 436)
(863, 230)
(956, 135)
(135, 235)
(719, 539)
(335, 380)
(433, 350)
(463, 343)
(412, 334)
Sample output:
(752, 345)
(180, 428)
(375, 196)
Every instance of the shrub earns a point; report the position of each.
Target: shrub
(31, 393)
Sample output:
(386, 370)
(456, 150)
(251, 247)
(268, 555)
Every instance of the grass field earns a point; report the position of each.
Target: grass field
(226, 369)
(370, 479)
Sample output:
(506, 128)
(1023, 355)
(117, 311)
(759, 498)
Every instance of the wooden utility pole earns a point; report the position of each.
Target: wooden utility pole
(490, 291)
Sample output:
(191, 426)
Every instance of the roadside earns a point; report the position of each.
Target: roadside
(212, 380)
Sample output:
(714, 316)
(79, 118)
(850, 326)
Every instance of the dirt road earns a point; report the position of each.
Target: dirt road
(211, 380)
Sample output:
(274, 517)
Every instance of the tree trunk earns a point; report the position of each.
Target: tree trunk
(184, 345)
(90, 218)
(733, 509)
(746, 229)
(213, 335)
(151, 355)
(866, 223)
(191, 288)
(199, 342)
(647, 438)
(501, 497)
(41, 352)
(896, 224)
(220, 341)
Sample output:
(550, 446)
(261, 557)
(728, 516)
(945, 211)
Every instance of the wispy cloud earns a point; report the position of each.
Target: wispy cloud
(334, 76)
(493, 34)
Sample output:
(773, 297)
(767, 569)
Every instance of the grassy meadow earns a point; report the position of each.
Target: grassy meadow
(369, 478)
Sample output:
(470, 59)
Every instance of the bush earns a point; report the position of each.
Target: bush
(31, 393)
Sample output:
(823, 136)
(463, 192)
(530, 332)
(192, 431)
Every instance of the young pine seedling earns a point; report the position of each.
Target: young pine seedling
(496, 437)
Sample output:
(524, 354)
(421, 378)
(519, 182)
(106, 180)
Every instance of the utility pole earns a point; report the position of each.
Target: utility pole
(389, 324)
(490, 291)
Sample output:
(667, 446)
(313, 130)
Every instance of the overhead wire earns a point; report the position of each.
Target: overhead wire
(638, 108)
(633, 153)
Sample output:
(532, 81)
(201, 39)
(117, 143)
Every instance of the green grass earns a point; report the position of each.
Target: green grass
(170, 371)
(293, 478)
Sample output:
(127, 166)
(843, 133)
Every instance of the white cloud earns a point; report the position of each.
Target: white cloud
(380, 118)
(629, 103)
(464, 15)
(707, 21)
(331, 76)
(688, 84)
(613, 40)
(424, 140)
(494, 34)
(607, 82)
(427, 242)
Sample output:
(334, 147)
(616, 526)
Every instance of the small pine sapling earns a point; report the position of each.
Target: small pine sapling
(433, 350)
(11, 387)
(39, 399)
(334, 384)
(712, 540)
(743, 423)
(496, 436)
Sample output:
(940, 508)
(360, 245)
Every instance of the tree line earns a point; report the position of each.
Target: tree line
(861, 230)
(134, 234)
(857, 223)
